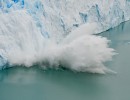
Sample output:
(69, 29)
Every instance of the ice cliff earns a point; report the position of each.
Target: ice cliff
(62, 16)
(58, 32)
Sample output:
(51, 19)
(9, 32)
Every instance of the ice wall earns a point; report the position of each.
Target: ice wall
(57, 18)
(59, 32)
(66, 15)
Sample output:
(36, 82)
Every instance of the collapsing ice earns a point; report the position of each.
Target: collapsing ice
(29, 35)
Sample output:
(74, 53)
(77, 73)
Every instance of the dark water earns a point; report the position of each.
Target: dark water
(36, 84)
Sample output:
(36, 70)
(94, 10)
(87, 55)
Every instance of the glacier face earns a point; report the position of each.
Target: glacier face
(68, 14)
(59, 32)
(62, 16)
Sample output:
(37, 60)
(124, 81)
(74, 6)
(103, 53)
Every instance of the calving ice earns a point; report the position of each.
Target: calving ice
(53, 33)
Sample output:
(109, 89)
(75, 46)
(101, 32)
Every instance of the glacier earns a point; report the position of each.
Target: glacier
(56, 33)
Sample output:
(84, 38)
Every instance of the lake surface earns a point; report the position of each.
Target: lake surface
(36, 84)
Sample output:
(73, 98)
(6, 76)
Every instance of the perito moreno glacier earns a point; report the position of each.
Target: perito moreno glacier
(55, 33)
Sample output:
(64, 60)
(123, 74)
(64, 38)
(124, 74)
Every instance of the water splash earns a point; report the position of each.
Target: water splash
(25, 39)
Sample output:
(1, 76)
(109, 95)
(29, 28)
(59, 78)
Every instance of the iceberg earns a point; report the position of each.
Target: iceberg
(56, 33)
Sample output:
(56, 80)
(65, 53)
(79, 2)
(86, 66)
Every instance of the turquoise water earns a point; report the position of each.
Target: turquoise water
(36, 84)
